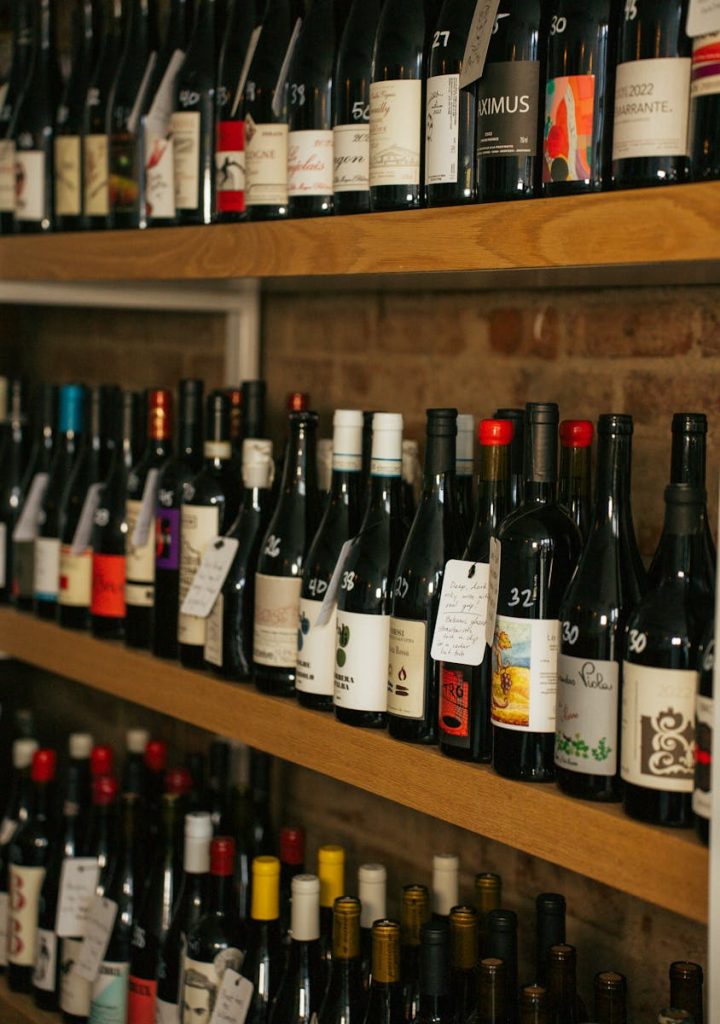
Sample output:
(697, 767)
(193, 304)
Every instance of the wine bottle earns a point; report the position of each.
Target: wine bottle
(264, 962)
(16, 814)
(47, 542)
(351, 108)
(464, 720)
(292, 862)
(28, 856)
(346, 997)
(534, 1005)
(411, 478)
(33, 130)
(702, 792)
(450, 111)
(492, 992)
(365, 594)
(22, 53)
(608, 584)
(464, 472)
(565, 1005)
(315, 680)
(652, 95)
(238, 44)
(229, 635)
(509, 106)
(501, 944)
(331, 872)
(190, 906)
(488, 896)
(385, 1005)
(76, 512)
(549, 930)
(704, 145)
(309, 102)
(686, 988)
(284, 547)
(435, 1002)
(517, 453)
(660, 677)
(464, 956)
(576, 437)
(414, 912)
(434, 538)
(95, 137)
(610, 990)
(15, 454)
(372, 892)
(71, 112)
(209, 506)
(580, 80)
(540, 548)
(155, 763)
(303, 983)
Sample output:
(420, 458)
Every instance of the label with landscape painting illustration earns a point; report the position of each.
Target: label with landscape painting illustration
(524, 673)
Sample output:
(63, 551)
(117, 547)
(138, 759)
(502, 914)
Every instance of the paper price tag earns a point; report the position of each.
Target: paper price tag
(252, 47)
(703, 17)
(139, 104)
(7, 829)
(478, 41)
(330, 599)
(210, 576)
(27, 524)
(494, 586)
(83, 530)
(158, 118)
(146, 518)
(233, 1000)
(279, 95)
(78, 882)
(461, 623)
(98, 929)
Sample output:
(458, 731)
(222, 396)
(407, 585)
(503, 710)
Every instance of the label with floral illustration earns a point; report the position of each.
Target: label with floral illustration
(587, 707)
(524, 673)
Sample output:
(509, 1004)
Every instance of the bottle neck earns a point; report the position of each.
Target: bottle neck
(42, 800)
(688, 459)
(299, 469)
(614, 461)
(574, 474)
(541, 462)
(221, 894)
(562, 985)
(493, 492)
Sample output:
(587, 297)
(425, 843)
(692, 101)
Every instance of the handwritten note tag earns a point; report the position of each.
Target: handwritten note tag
(83, 530)
(146, 517)
(478, 41)
(233, 1000)
(466, 617)
(330, 599)
(27, 524)
(78, 881)
(703, 17)
(212, 573)
(494, 587)
(98, 929)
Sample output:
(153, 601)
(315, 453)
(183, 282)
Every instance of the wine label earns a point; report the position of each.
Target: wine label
(142, 996)
(277, 600)
(210, 577)
(68, 176)
(213, 653)
(159, 177)
(202, 981)
(47, 568)
(702, 793)
(587, 714)
(569, 128)
(96, 161)
(465, 623)
(75, 578)
(454, 714)
(139, 560)
(266, 163)
(705, 73)
(185, 133)
(166, 1013)
(75, 992)
(23, 568)
(658, 727)
(310, 163)
(507, 108)
(199, 525)
(395, 125)
(167, 539)
(78, 885)
(406, 670)
(524, 673)
(110, 994)
(108, 586)
(4, 917)
(652, 100)
(45, 973)
(230, 167)
(361, 661)
(7, 176)
(442, 121)
(24, 889)
(351, 155)
(235, 999)
(316, 650)
(30, 171)
(703, 17)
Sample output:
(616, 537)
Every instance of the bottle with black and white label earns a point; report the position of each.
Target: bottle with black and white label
(510, 107)
(309, 105)
(284, 547)
(68, 130)
(660, 671)
(704, 142)
(22, 52)
(540, 549)
(95, 141)
(652, 95)
(704, 712)
(315, 681)
(609, 583)
(33, 129)
(366, 586)
(449, 111)
(17, 812)
(15, 454)
(435, 537)
(351, 108)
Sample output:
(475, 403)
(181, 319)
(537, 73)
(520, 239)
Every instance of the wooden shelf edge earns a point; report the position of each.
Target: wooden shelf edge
(674, 225)
(665, 867)
(16, 1008)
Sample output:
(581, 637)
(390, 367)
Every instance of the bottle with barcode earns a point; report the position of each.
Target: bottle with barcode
(15, 453)
(95, 142)
(22, 51)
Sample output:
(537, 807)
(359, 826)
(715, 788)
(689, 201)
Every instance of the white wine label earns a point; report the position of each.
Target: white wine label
(316, 650)
(406, 669)
(361, 661)
(277, 599)
(658, 727)
(478, 41)
(198, 527)
(185, 132)
(507, 108)
(351, 154)
(110, 994)
(30, 171)
(24, 889)
(68, 192)
(75, 992)
(463, 612)
(97, 175)
(44, 974)
(7, 176)
(310, 163)
(201, 984)
(703, 17)
(395, 126)
(442, 120)
(78, 884)
(652, 100)
(234, 999)
(99, 922)
(210, 576)
(524, 673)
(705, 66)
(213, 653)
(139, 559)
(75, 581)
(47, 568)
(4, 915)
(702, 793)
(586, 738)
(266, 164)
(27, 524)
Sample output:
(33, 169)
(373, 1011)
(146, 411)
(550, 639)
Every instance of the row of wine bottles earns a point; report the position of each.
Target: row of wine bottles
(589, 670)
(264, 112)
(109, 929)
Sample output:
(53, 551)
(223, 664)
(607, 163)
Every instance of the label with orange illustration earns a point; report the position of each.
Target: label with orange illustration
(524, 673)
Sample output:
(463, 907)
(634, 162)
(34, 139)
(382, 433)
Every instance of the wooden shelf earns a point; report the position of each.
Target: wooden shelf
(20, 1009)
(665, 867)
(675, 228)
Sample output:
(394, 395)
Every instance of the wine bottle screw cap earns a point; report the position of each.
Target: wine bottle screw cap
(43, 765)
(222, 856)
(198, 825)
(372, 874)
(23, 753)
(104, 790)
(550, 902)
(576, 433)
(156, 755)
(80, 745)
(331, 855)
(136, 740)
(348, 418)
(101, 760)
(306, 885)
(496, 432)
(178, 782)
(266, 867)
(292, 845)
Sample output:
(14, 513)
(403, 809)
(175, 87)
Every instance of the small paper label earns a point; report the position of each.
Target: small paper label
(75, 992)
(27, 524)
(83, 530)
(460, 633)
(703, 17)
(266, 150)
(45, 973)
(252, 46)
(210, 577)
(587, 715)
(99, 923)
(395, 115)
(331, 594)
(141, 533)
(279, 94)
(478, 41)
(316, 650)
(78, 883)
(652, 104)
(234, 999)
(24, 887)
(30, 179)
